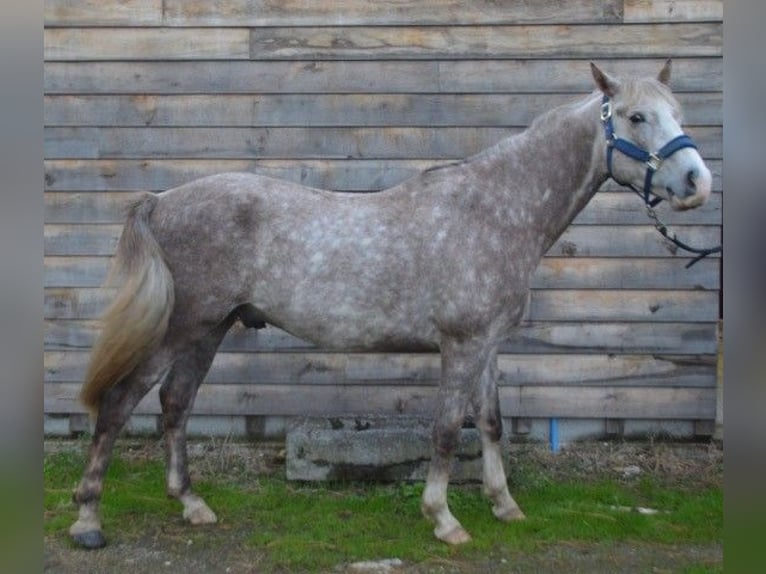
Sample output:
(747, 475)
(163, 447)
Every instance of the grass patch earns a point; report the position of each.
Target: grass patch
(357, 522)
(316, 527)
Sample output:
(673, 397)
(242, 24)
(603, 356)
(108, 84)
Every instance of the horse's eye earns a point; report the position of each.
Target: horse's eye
(637, 118)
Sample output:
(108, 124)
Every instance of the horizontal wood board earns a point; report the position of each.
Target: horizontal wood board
(263, 13)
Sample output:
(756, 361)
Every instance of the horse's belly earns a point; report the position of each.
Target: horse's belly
(348, 314)
(358, 329)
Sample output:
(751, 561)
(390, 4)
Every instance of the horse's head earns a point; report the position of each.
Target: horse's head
(646, 147)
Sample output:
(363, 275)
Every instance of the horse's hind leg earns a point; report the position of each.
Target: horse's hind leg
(490, 424)
(115, 408)
(177, 397)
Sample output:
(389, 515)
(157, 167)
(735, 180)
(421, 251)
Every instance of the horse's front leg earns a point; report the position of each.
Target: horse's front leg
(490, 424)
(462, 365)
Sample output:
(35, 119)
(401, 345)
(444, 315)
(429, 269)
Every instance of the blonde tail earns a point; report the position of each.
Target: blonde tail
(136, 321)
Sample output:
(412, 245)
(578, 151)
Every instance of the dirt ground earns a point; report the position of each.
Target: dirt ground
(169, 549)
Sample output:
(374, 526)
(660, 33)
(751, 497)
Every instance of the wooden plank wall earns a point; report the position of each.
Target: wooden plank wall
(355, 95)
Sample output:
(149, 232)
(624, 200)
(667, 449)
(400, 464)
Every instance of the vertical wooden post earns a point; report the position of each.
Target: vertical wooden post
(718, 432)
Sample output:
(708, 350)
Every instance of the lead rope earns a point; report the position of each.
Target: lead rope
(663, 230)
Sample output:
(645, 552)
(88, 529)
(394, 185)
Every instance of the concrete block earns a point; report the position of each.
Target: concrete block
(372, 448)
(266, 427)
(80, 424)
(211, 425)
(672, 429)
(56, 425)
(142, 425)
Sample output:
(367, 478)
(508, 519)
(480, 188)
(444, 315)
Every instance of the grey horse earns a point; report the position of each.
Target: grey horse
(439, 262)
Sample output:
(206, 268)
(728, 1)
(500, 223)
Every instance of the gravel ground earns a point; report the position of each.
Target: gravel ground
(169, 549)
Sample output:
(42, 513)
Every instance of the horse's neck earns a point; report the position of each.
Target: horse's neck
(551, 170)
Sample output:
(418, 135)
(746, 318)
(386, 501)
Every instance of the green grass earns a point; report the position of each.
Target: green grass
(310, 527)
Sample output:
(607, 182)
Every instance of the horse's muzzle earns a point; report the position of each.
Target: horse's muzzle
(694, 190)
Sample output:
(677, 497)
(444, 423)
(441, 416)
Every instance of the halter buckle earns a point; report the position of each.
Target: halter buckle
(606, 111)
(654, 162)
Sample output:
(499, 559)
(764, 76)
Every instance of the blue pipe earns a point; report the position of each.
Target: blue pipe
(554, 435)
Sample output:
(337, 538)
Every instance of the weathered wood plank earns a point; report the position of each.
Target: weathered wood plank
(89, 207)
(384, 42)
(625, 273)
(627, 403)
(623, 305)
(318, 110)
(92, 44)
(330, 110)
(243, 143)
(295, 143)
(360, 13)
(341, 175)
(553, 273)
(673, 11)
(627, 241)
(386, 12)
(692, 74)
(563, 338)
(321, 368)
(67, 240)
(516, 401)
(578, 240)
(72, 271)
(69, 303)
(468, 42)
(546, 304)
(102, 12)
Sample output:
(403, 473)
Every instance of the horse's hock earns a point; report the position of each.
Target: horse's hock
(374, 448)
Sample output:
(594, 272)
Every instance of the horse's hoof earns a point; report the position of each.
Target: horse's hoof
(201, 515)
(196, 511)
(509, 514)
(91, 540)
(455, 536)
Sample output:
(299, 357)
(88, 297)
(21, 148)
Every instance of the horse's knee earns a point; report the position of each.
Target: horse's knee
(446, 438)
(490, 421)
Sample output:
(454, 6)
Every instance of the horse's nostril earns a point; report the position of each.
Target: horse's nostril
(691, 179)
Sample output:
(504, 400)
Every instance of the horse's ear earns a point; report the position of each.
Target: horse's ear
(664, 75)
(604, 81)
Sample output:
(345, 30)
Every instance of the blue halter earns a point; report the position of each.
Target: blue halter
(652, 160)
